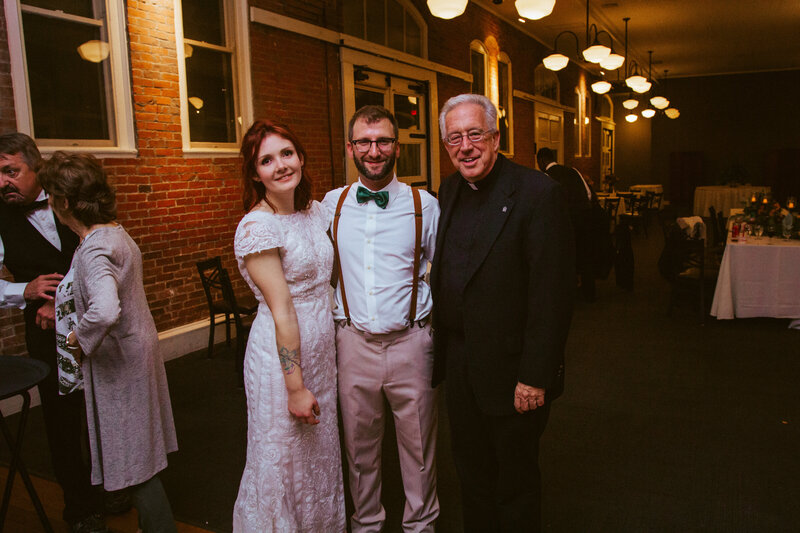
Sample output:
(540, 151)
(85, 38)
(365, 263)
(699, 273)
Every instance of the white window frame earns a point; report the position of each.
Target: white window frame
(502, 57)
(415, 14)
(237, 35)
(121, 100)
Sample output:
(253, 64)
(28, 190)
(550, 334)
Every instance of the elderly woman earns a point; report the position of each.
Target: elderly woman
(114, 339)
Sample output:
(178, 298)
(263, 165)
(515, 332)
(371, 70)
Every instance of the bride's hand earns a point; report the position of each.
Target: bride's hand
(303, 406)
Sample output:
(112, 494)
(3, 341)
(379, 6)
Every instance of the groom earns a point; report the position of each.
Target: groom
(384, 234)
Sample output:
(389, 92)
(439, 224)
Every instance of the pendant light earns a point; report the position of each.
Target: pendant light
(447, 9)
(648, 113)
(534, 9)
(595, 51)
(632, 117)
(601, 87)
(630, 103)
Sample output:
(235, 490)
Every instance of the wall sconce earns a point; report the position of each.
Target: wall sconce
(94, 51)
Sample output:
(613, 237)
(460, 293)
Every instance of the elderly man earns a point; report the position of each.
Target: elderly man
(37, 249)
(503, 281)
(384, 233)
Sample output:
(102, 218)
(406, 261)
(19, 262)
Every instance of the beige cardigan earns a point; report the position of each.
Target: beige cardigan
(127, 400)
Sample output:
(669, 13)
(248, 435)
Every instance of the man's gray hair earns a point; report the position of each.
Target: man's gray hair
(489, 110)
(19, 143)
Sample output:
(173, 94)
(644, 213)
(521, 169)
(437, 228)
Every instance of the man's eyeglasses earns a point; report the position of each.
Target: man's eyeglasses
(474, 136)
(384, 144)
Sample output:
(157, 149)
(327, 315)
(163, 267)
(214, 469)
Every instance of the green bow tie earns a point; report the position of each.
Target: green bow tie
(364, 195)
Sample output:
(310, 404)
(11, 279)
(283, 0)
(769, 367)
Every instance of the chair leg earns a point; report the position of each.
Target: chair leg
(211, 337)
(228, 319)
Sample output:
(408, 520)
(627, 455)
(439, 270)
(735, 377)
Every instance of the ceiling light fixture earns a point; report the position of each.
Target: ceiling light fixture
(534, 9)
(648, 113)
(447, 9)
(633, 117)
(601, 87)
(630, 103)
(659, 102)
(94, 51)
(595, 51)
(672, 112)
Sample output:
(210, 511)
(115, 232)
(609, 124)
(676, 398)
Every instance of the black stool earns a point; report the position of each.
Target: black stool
(17, 375)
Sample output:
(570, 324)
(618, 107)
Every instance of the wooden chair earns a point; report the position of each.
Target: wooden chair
(683, 265)
(635, 211)
(222, 301)
(611, 206)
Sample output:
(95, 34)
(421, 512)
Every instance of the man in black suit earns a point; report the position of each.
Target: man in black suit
(579, 205)
(37, 249)
(502, 279)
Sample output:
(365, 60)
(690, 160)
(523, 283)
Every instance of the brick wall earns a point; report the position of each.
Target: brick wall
(181, 210)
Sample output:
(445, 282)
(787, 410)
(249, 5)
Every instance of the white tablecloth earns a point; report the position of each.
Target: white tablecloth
(759, 278)
(723, 197)
(652, 187)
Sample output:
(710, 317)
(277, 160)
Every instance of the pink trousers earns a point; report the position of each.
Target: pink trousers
(396, 366)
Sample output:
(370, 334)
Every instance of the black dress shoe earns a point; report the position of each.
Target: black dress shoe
(93, 523)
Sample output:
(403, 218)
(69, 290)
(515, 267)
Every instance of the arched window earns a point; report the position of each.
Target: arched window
(546, 83)
(478, 60)
(504, 103)
(393, 23)
(605, 107)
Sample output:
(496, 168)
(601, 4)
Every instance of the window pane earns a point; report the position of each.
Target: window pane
(208, 77)
(68, 94)
(353, 14)
(477, 72)
(394, 25)
(81, 8)
(376, 21)
(502, 82)
(204, 20)
(406, 111)
(413, 36)
(368, 98)
(408, 164)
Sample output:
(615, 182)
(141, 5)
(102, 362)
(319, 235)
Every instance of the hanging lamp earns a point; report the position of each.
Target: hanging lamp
(447, 9)
(534, 9)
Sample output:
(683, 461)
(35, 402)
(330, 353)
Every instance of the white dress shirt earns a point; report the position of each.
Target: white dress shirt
(43, 219)
(376, 249)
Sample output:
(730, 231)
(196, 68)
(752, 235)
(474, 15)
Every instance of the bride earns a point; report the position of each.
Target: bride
(292, 479)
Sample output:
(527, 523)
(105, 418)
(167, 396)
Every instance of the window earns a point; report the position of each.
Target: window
(504, 111)
(392, 23)
(69, 65)
(210, 83)
(478, 63)
(545, 83)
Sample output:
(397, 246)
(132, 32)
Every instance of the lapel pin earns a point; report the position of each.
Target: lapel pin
(505, 209)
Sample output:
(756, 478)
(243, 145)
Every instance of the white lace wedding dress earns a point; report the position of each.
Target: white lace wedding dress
(292, 480)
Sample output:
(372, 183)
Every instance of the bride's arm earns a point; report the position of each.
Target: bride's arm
(267, 273)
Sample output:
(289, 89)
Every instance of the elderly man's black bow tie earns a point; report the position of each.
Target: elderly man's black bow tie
(364, 195)
(34, 206)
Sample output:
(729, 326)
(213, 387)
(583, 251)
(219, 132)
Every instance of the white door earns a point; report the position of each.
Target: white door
(550, 129)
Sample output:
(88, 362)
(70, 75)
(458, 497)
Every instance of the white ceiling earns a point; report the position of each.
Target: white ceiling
(687, 37)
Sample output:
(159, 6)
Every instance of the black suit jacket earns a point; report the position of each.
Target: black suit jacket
(577, 200)
(518, 297)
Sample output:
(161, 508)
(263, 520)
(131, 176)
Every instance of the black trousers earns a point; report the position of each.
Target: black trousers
(66, 432)
(496, 457)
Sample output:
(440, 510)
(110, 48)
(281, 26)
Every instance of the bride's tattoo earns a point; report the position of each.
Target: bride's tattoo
(289, 359)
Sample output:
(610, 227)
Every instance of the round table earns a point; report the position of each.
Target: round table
(17, 375)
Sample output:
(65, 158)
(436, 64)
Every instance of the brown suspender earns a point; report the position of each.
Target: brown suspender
(417, 250)
(417, 245)
(336, 260)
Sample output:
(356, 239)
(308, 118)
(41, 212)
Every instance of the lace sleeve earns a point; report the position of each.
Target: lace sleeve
(255, 235)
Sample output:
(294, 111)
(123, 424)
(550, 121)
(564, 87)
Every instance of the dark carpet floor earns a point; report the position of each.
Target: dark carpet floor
(665, 425)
